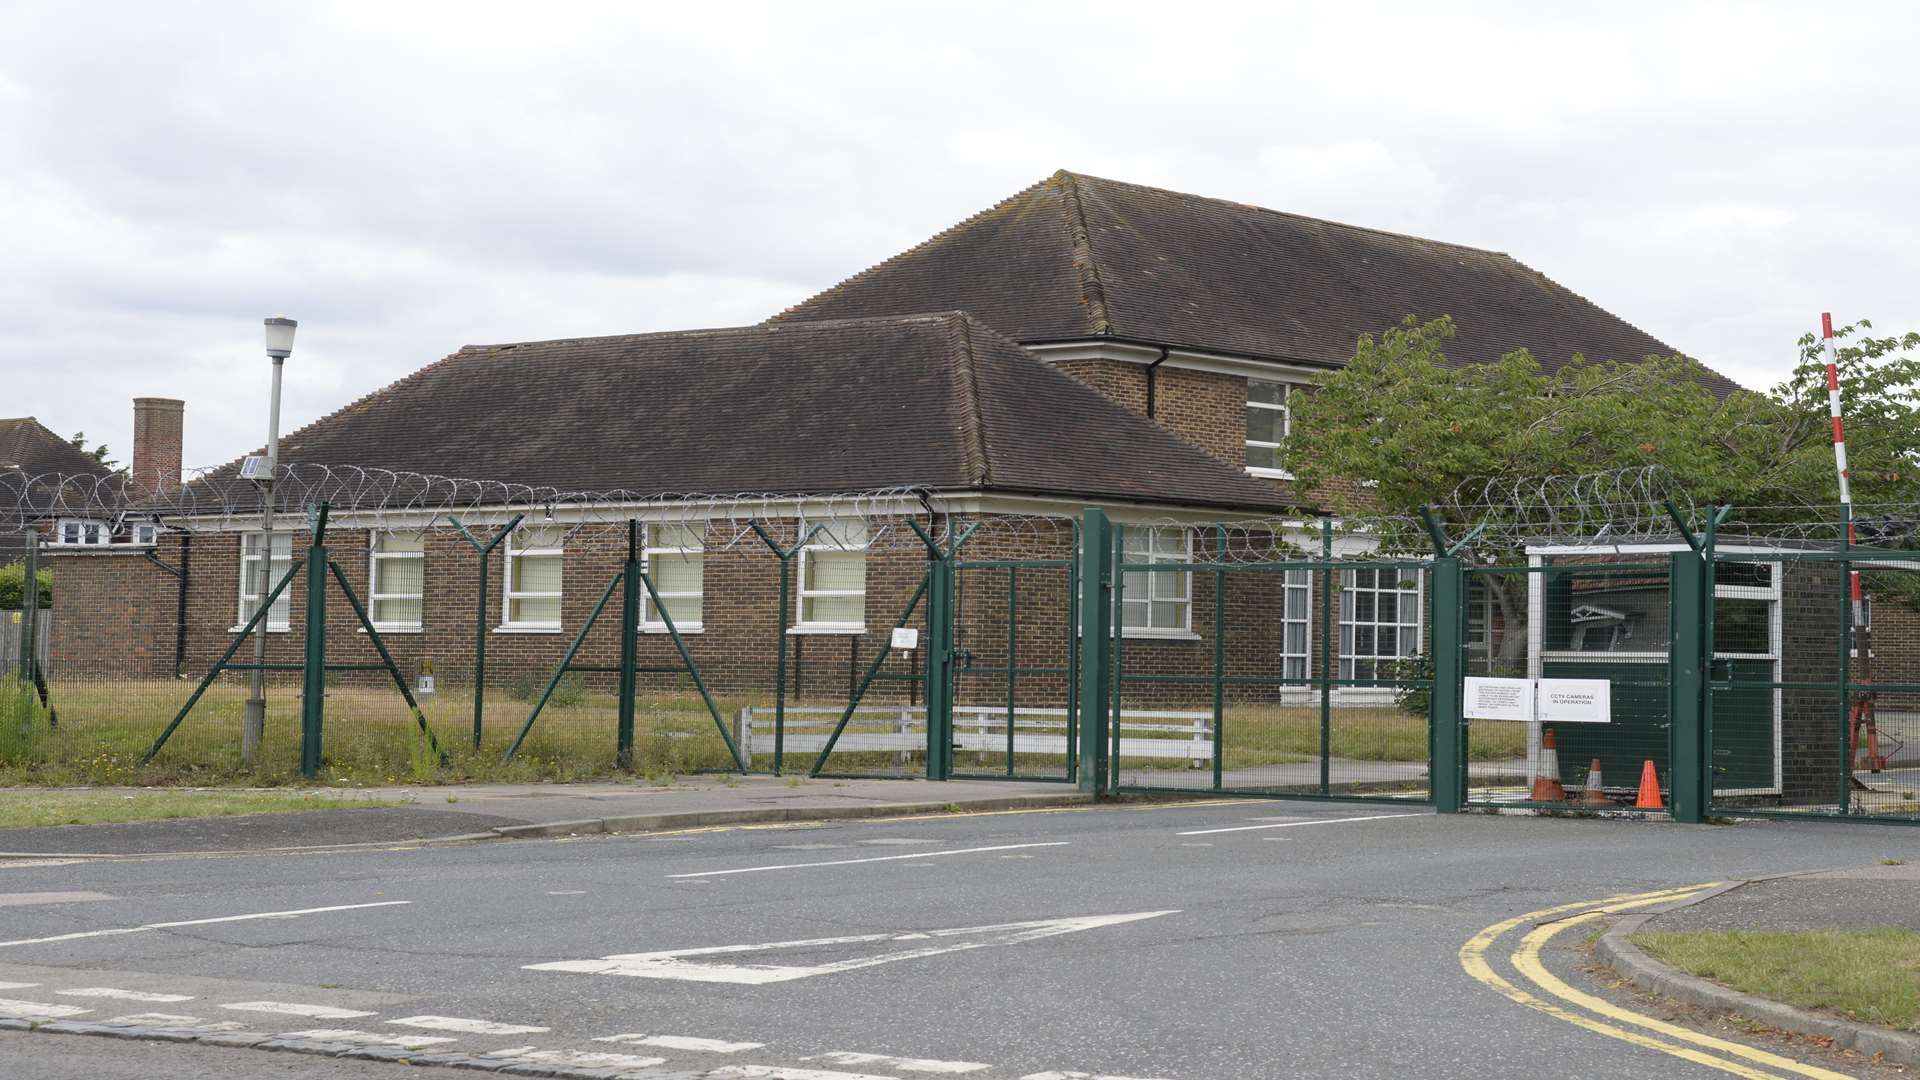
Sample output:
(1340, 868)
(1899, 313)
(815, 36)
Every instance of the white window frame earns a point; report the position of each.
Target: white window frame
(650, 620)
(1350, 624)
(374, 558)
(1300, 660)
(101, 534)
(509, 595)
(823, 543)
(1158, 580)
(250, 580)
(1285, 409)
(144, 534)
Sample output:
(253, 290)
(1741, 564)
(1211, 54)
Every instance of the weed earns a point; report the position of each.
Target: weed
(24, 722)
(1890, 861)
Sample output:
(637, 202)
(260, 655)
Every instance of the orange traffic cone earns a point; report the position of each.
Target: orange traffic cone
(1594, 796)
(1649, 788)
(1546, 784)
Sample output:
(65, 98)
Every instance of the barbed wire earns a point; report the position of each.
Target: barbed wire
(1484, 519)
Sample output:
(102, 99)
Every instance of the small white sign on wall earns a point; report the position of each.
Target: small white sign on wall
(906, 637)
(1575, 701)
(1498, 699)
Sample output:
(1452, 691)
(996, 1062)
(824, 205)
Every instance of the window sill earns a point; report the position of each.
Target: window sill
(394, 629)
(1271, 474)
(1159, 635)
(844, 629)
(270, 629)
(684, 628)
(526, 629)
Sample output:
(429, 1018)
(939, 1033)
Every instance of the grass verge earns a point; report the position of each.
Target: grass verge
(24, 809)
(1867, 975)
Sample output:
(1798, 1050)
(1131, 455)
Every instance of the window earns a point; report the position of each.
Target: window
(82, 532)
(1269, 420)
(277, 567)
(533, 578)
(1294, 622)
(833, 576)
(1156, 601)
(146, 533)
(397, 578)
(1379, 622)
(675, 560)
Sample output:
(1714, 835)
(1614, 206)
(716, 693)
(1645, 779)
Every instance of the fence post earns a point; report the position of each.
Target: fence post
(480, 616)
(313, 695)
(629, 645)
(940, 667)
(1691, 776)
(30, 608)
(1096, 639)
(1446, 772)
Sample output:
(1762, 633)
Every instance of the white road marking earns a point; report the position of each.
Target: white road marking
(22, 899)
(124, 995)
(199, 922)
(367, 1038)
(16, 986)
(1074, 1076)
(1282, 825)
(566, 892)
(673, 964)
(681, 1042)
(161, 1020)
(905, 1064)
(472, 1027)
(291, 1008)
(785, 1072)
(30, 863)
(876, 858)
(585, 1059)
(36, 1010)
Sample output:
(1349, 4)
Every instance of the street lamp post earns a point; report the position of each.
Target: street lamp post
(279, 346)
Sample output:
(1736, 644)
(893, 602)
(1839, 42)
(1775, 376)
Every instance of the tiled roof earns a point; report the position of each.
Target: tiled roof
(935, 401)
(1076, 257)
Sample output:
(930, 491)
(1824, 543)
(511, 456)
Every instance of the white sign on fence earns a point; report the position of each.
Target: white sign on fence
(1499, 699)
(906, 637)
(1574, 701)
(1549, 701)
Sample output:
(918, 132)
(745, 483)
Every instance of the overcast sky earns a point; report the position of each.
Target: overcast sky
(408, 178)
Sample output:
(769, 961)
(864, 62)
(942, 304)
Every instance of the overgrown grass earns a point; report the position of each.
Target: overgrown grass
(20, 809)
(105, 728)
(1867, 975)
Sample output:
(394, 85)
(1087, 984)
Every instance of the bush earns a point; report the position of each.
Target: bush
(527, 686)
(13, 579)
(24, 721)
(1412, 700)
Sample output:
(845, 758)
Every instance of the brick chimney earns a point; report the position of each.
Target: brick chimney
(157, 427)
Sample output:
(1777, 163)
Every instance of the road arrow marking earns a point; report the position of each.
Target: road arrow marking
(680, 963)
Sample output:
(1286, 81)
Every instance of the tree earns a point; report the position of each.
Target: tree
(1417, 426)
(98, 453)
(13, 579)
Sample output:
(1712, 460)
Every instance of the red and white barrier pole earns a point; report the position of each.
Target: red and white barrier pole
(1840, 451)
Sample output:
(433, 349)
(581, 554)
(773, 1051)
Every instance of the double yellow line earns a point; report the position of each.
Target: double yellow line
(1603, 1017)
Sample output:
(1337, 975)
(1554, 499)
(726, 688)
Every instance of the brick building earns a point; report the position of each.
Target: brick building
(1104, 344)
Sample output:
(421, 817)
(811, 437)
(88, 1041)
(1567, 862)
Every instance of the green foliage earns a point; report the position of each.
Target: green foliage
(423, 758)
(571, 690)
(13, 579)
(24, 721)
(98, 453)
(1401, 415)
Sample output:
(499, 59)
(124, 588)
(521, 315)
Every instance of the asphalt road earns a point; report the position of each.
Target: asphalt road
(1197, 942)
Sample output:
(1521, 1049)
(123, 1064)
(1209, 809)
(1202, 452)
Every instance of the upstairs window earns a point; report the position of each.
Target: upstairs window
(252, 545)
(833, 576)
(676, 561)
(534, 558)
(1269, 421)
(82, 532)
(397, 580)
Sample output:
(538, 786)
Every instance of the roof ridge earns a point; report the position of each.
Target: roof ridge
(1092, 290)
(1287, 214)
(947, 233)
(979, 462)
(716, 331)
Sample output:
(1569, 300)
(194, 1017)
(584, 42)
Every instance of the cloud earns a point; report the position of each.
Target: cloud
(405, 179)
